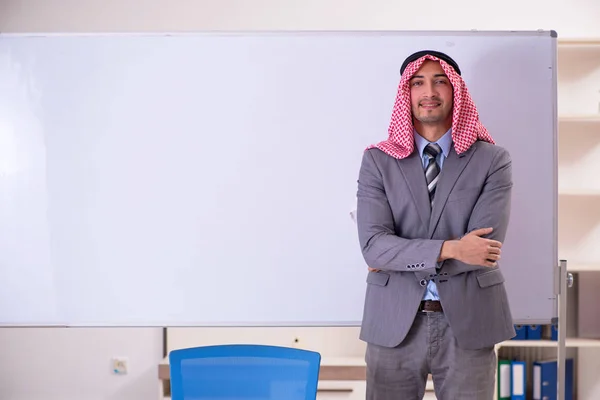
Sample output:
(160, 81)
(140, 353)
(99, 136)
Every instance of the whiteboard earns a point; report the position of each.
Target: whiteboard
(207, 179)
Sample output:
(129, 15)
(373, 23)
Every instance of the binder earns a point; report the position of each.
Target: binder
(521, 331)
(518, 380)
(545, 375)
(534, 332)
(554, 332)
(504, 379)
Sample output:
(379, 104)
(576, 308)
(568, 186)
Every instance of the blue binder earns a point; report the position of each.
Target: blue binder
(554, 332)
(518, 380)
(534, 332)
(521, 332)
(545, 379)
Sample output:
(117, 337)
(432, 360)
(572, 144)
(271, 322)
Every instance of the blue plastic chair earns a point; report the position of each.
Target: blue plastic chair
(243, 371)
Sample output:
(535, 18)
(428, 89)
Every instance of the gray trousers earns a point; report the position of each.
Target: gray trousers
(400, 373)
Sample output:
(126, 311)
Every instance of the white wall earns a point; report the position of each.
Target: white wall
(571, 18)
(73, 364)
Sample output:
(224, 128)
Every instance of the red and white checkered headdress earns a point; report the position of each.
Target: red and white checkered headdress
(466, 127)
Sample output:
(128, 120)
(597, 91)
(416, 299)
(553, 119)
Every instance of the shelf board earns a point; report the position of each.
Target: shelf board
(569, 342)
(572, 118)
(578, 192)
(344, 361)
(583, 267)
(579, 42)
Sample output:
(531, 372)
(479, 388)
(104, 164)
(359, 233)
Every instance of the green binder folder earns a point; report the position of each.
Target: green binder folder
(504, 373)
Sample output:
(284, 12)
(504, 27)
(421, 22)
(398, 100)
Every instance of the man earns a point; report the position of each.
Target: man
(433, 210)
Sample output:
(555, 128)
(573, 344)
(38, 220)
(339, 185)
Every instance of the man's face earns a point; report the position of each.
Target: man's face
(431, 94)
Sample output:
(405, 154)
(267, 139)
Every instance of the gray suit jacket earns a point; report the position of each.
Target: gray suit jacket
(402, 237)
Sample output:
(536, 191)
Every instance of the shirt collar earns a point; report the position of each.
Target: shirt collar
(445, 141)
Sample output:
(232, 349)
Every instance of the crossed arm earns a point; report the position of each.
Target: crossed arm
(492, 208)
(383, 249)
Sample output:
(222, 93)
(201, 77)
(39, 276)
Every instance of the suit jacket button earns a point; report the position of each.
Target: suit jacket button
(423, 282)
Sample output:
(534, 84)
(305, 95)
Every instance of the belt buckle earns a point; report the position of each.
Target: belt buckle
(423, 307)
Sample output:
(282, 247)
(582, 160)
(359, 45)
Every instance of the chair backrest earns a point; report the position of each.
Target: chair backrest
(244, 371)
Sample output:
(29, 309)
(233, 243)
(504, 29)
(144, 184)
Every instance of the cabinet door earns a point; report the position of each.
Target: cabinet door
(342, 390)
(429, 392)
(357, 390)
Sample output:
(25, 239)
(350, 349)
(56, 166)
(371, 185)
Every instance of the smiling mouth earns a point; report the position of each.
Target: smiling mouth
(430, 106)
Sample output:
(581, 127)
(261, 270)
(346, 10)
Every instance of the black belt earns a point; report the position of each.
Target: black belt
(430, 306)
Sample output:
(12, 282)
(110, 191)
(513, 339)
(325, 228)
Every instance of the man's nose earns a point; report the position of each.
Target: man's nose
(430, 90)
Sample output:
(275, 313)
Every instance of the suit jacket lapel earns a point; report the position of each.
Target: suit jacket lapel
(414, 174)
(451, 170)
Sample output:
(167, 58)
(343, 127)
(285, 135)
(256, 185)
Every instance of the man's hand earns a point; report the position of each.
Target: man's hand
(471, 249)
(474, 250)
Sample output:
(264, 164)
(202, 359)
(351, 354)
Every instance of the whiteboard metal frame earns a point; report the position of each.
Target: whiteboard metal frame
(539, 32)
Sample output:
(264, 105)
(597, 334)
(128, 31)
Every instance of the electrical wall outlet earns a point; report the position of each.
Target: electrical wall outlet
(119, 365)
